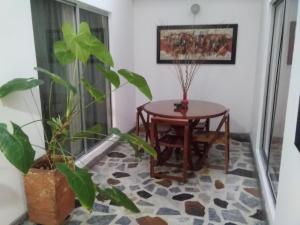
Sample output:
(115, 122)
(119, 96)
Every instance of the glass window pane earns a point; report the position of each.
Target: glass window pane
(97, 113)
(274, 65)
(48, 18)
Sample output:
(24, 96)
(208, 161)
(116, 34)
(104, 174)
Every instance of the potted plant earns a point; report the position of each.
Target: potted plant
(53, 181)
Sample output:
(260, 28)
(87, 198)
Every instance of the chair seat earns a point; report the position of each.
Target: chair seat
(218, 136)
(209, 137)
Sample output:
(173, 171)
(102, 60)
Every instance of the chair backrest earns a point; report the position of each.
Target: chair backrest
(172, 122)
(224, 122)
(140, 116)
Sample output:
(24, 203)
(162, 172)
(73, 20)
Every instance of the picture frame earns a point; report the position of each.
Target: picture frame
(201, 44)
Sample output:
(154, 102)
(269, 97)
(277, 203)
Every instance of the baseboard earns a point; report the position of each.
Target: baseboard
(242, 137)
(20, 220)
(265, 187)
(269, 203)
(97, 152)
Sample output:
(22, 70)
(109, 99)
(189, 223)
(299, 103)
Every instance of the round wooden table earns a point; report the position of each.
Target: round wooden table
(196, 109)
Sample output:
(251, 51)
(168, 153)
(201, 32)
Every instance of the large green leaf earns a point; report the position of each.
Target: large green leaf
(18, 84)
(88, 41)
(99, 50)
(136, 142)
(138, 81)
(81, 183)
(16, 147)
(62, 53)
(110, 75)
(74, 42)
(91, 132)
(118, 197)
(94, 92)
(84, 44)
(57, 79)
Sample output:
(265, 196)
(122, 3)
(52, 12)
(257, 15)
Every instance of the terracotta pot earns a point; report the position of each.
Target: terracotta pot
(49, 197)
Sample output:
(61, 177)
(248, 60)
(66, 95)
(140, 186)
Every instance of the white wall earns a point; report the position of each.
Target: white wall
(17, 59)
(288, 204)
(231, 85)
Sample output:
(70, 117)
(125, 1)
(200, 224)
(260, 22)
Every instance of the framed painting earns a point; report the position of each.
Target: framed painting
(203, 44)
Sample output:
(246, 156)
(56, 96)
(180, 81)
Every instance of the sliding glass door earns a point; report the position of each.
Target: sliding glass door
(277, 87)
(99, 27)
(48, 18)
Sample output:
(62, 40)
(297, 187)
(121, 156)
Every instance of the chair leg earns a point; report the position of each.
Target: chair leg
(226, 157)
(207, 125)
(137, 125)
(185, 165)
(191, 166)
(151, 166)
(147, 127)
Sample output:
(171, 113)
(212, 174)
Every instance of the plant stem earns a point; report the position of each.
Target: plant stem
(50, 99)
(34, 121)
(35, 103)
(41, 116)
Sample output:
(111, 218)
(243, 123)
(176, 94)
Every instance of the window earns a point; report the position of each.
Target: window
(48, 18)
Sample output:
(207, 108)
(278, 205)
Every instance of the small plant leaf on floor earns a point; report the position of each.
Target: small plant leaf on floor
(118, 197)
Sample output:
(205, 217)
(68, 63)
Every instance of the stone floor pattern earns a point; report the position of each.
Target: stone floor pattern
(210, 197)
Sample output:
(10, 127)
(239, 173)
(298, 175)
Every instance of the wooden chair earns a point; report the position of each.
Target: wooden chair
(201, 125)
(166, 143)
(215, 137)
(140, 117)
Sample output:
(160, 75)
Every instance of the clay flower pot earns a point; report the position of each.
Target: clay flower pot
(49, 197)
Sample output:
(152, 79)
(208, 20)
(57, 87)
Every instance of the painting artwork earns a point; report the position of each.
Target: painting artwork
(203, 44)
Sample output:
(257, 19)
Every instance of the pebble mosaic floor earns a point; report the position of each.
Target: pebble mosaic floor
(210, 197)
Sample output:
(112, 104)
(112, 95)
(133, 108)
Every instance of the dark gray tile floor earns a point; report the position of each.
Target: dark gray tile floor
(210, 197)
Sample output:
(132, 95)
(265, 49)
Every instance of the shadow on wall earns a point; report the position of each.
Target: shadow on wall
(22, 101)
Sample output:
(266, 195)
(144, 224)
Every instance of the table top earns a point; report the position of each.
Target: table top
(196, 109)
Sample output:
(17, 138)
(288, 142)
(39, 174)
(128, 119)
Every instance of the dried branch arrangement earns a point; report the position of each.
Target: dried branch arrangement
(187, 71)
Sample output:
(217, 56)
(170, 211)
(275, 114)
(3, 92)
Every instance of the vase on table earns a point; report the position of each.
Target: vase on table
(185, 101)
